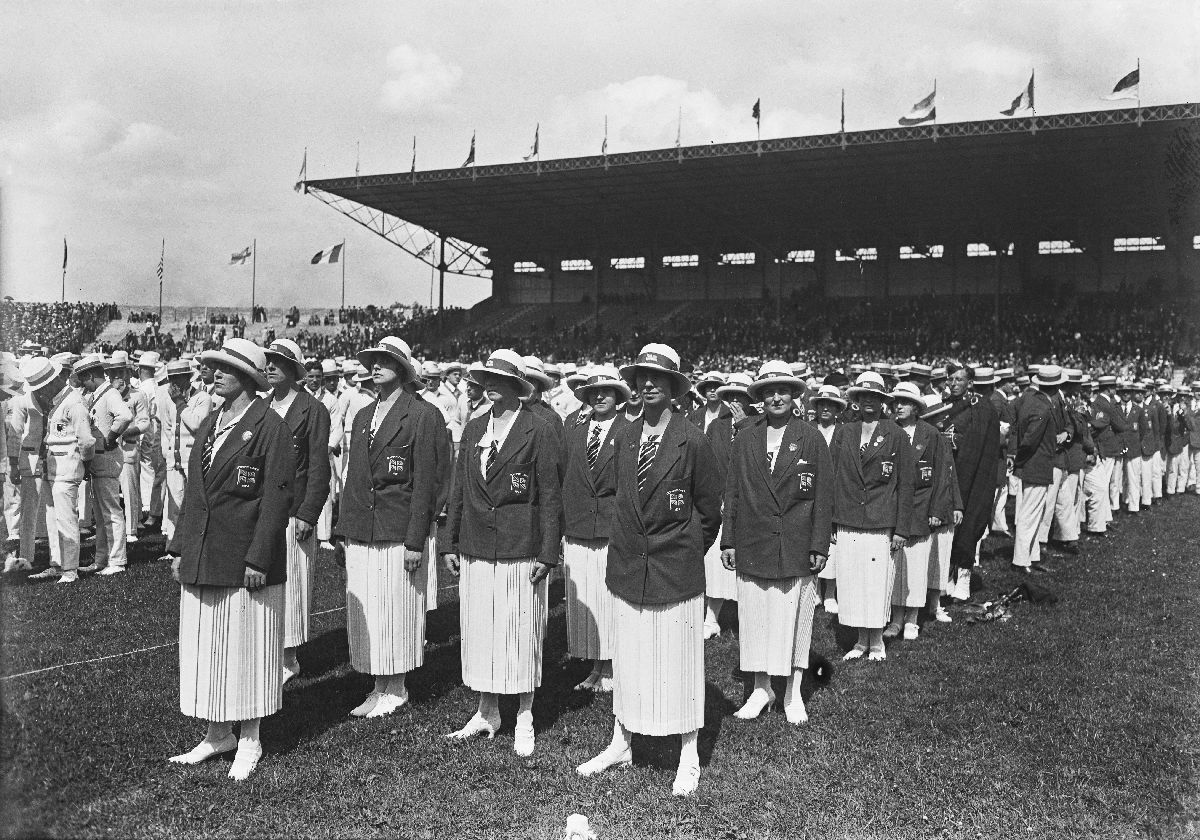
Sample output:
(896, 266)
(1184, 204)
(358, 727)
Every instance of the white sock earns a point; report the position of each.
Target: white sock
(689, 753)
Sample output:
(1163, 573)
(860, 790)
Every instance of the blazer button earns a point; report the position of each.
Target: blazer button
(491, 508)
(371, 507)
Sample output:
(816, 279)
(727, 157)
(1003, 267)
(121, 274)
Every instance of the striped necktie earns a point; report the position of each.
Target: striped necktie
(489, 458)
(645, 459)
(770, 461)
(593, 447)
(206, 454)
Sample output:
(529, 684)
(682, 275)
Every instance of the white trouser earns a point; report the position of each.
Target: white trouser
(174, 484)
(12, 504)
(1157, 470)
(1177, 472)
(1133, 483)
(1116, 480)
(1097, 481)
(105, 488)
(131, 495)
(1032, 501)
(1050, 505)
(1066, 508)
(37, 507)
(1147, 480)
(999, 516)
(152, 474)
(65, 521)
(324, 526)
(1194, 476)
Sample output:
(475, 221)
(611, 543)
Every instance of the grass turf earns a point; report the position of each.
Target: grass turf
(1074, 720)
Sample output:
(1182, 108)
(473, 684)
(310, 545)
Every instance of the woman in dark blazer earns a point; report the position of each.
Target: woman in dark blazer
(229, 555)
(667, 514)
(775, 533)
(828, 405)
(387, 506)
(503, 535)
(872, 506)
(308, 420)
(589, 488)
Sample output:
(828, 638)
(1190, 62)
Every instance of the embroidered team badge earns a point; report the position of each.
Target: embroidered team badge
(246, 478)
(888, 466)
(676, 499)
(806, 482)
(396, 465)
(926, 472)
(246, 435)
(519, 483)
(792, 447)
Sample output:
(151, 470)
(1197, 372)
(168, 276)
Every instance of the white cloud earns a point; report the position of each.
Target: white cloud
(419, 77)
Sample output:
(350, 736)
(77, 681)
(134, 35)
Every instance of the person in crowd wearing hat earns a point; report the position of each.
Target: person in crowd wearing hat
(947, 508)
(10, 470)
(385, 516)
(118, 368)
(541, 382)
(829, 406)
(229, 555)
(714, 408)
(932, 465)
(972, 427)
(872, 511)
(444, 468)
(633, 406)
(986, 384)
(503, 535)
(477, 401)
(1192, 410)
(1157, 400)
(667, 515)
(775, 532)
(11, 386)
(1041, 432)
(1108, 426)
(352, 400)
(588, 493)
(736, 395)
(66, 446)
(451, 399)
(1178, 432)
(308, 422)
(110, 416)
(179, 418)
(327, 395)
(1063, 529)
(28, 430)
(1130, 406)
(152, 468)
(566, 400)
(1151, 446)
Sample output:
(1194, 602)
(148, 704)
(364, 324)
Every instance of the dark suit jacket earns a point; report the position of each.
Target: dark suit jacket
(1152, 433)
(588, 494)
(237, 515)
(656, 550)
(1039, 421)
(443, 456)
(1109, 426)
(872, 490)
(516, 511)
(775, 519)
(1132, 436)
(391, 485)
(928, 478)
(308, 420)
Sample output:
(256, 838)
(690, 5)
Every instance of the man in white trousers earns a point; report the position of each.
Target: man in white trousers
(179, 418)
(110, 417)
(152, 468)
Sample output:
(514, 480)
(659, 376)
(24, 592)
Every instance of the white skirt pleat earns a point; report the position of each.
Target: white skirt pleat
(829, 570)
(230, 652)
(430, 566)
(865, 574)
(589, 601)
(719, 582)
(658, 666)
(775, 623)
(385, 609)
(939, 558)
(913, 573)
(301, 559)
(502, 619)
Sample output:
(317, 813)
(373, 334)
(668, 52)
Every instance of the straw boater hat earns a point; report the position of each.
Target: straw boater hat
(1166, 389)
(149, 359)
(119, 360)
(1006, 375)
(330, 368)
(178, 367)
(775, 372)
(38, 372)
(603, 376)
(288, 352)
(579, 376)
(1049, 375)
(505, 363)
(1106, 381)
(830, 393)
(938, 374)
(66, 359)
(713, 378)
(1074, 376)
(240, 354)
(30, 346)
(918, 369)
(535, 372)
(661, 359)
(985, 375)
(934, 406)
(737, 383)
(868, 382)
(909, 391)
(454, 365)
(92, 361)
(349, 367)
(10, 378)
(800, 369)
(391, 347)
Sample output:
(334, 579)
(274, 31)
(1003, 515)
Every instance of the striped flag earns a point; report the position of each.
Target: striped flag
(923, 111)
(533, 152)
(329, 255)
(161, 257)
(1127, 88)
(1023, 102)
(241, 256)
(470, 161)
(303, 172)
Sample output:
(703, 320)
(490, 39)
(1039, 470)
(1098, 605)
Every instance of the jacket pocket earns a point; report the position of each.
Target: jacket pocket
(246, 480)
(517, 484)
(397, 464)
(924, 475)
(806, 484)
(677, 500)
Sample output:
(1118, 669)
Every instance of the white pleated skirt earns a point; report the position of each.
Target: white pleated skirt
(775, 623)
(230, 652)
(429, 565)
(502, 619)
(939, 558)
(301, 560)
(829, 570)
(658, 666)
(719, 582)
(865, 576)
(589, 601)
(913, 573)
(385, 609)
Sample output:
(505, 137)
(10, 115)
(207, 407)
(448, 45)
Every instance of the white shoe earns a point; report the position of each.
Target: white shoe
(605, 686)
(244, 762)
(910, 632)
(48, 573)
(942, 616)
(711, 630)
(131, 538)
(525, 737)
(111, 570)
(327, 545)
(477, 725)
(856, 652)
(755, 704)
(11, 563)
(878, 654)
(89, 569)
(687, 779)
(831, 606)
(68, 577)
(796, 712)
(367, 705)
(589, 684)
(205, 750)
(608, 758)
(386, 704)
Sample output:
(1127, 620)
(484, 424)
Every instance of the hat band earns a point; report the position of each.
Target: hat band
(658, 360)
(241, 358)
(502, 366)
(282, 350)
(606, 381)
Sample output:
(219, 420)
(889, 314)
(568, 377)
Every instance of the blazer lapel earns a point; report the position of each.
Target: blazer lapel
(238, 439)
(789, 452)
(297, 412)
(664, 459)
(607, 449)
(390, 425)
(522, 428)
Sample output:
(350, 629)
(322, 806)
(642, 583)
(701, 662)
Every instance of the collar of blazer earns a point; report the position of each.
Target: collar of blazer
(883, 430)
(791, 449)
(606, 449)
(239, 438)
(390, 425)
(518, 433)
(298, 410)
(923, 439)
(670, 449)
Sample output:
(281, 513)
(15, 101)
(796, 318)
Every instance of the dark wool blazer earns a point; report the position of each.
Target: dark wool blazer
(443, 456)
(308, 420)
(1109, 426)
(1039, 421)
(391, 485)
(656, 550)
(514, 512)
(588, 494)
(929, 474)
(236, 516)
(1134, 421)
(873, 489)
(947, 491)
(775, 519)
(1151, 429)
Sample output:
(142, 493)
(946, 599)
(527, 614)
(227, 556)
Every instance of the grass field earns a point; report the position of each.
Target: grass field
(1080, 719)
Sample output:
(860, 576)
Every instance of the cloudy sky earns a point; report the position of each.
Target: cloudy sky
(126, 122)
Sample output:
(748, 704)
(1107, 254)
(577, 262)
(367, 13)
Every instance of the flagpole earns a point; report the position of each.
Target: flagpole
(1139, 85)
(253, 276)
(343, 274)
(64, 277)
(162, 270)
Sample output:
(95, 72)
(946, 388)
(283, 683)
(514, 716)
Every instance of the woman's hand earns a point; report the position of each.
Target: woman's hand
(958, 517)
(254, 579)
(175, 561)
(898, 542)
(451, 561)
(729, 558)
(833, 537)
(540, 570)
(934, 522)
(412, 560)
(303, 530)
(816, 562)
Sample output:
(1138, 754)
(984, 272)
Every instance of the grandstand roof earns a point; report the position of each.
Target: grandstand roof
(1061, 176)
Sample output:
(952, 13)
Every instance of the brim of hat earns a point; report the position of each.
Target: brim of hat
(988, 380)
(941, 409)
(17, 389)
(541, 379)
(477, 372)
(703, 382)
(726, 390)
(755, 388)
(900, 395)
(853, 390)
(299, 366)
(1037, 380)
(78, 369)
(682, 383)
(364, 358)
(259, 377)
(826, 398)
(619, 385)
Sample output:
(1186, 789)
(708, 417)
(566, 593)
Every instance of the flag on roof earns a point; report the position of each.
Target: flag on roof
(923, 111)
(329, 255)
(1023, 102)
(1127, 88)
(240, 257)
(533, 152)
(756, 111)
(303, 172)
(64, 253)
(470, 161)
